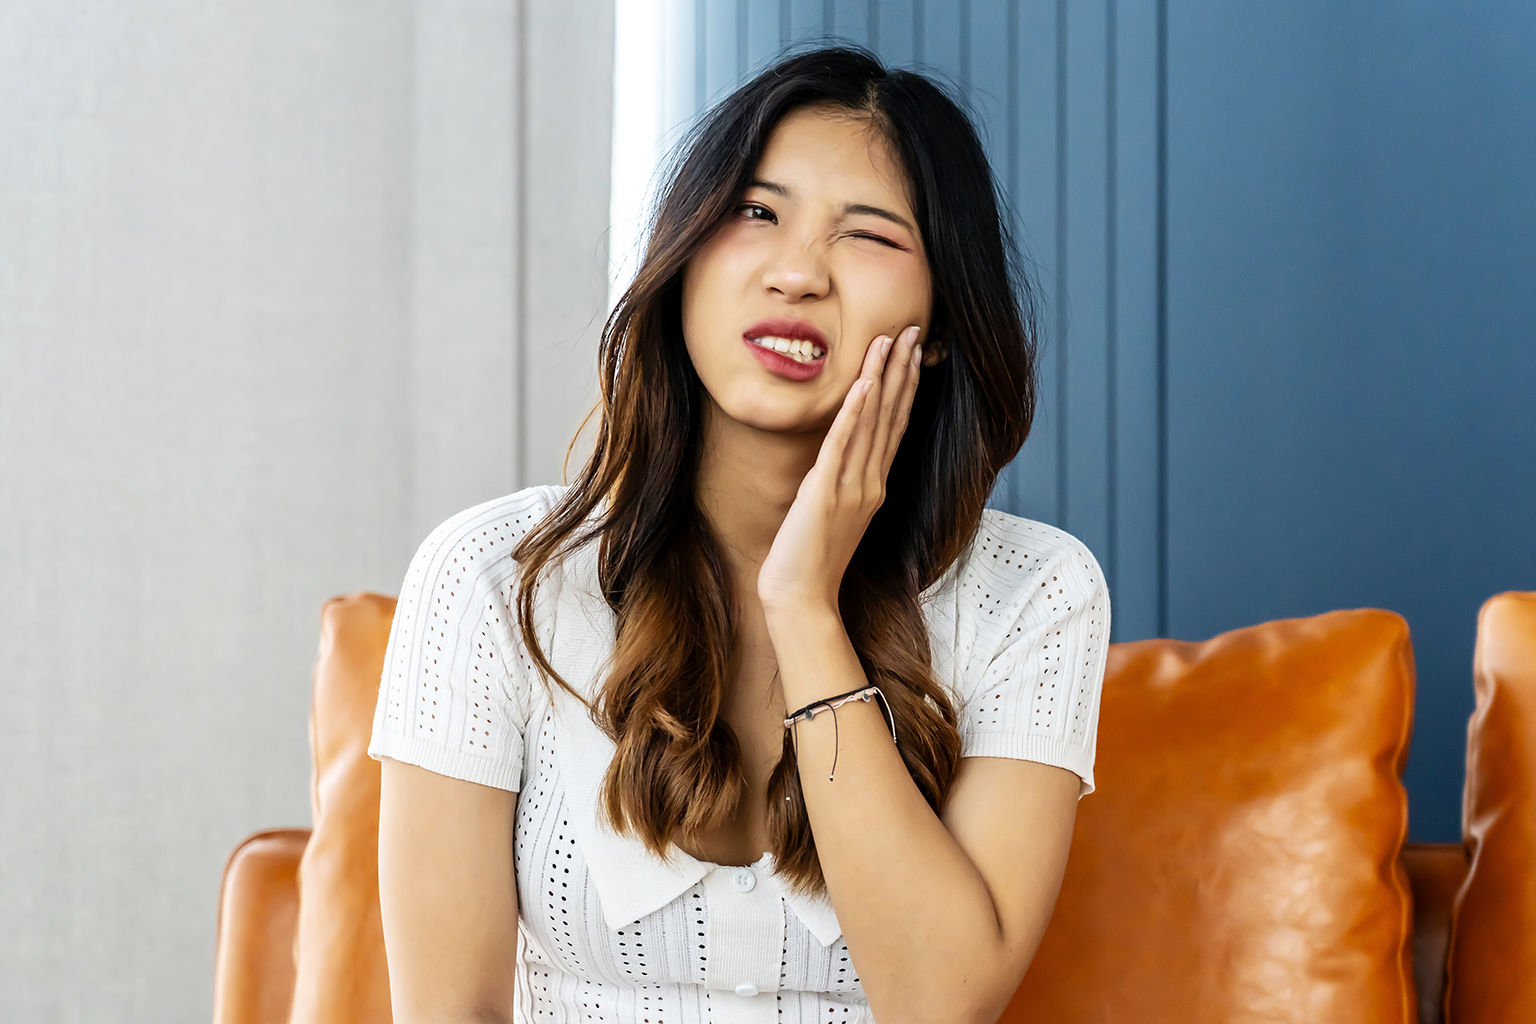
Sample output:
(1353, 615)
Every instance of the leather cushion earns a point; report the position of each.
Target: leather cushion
(1493, 943)
(340, 969)
(1239, 861)
(258, 909)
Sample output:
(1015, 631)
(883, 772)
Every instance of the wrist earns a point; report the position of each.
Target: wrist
(815, 655)
(802, 619)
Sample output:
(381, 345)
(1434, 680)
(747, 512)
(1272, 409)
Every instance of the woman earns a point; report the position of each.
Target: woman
(654, 712)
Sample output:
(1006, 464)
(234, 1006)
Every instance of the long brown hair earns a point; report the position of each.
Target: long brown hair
(676, 773)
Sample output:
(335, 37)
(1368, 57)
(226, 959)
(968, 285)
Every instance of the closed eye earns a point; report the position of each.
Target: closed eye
(877, 238)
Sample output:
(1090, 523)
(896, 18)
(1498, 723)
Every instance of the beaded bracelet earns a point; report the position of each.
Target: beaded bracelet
(831, 704)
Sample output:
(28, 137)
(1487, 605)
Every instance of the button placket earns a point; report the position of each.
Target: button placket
(746, 944)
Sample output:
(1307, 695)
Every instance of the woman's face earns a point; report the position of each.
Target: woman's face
(820, 256)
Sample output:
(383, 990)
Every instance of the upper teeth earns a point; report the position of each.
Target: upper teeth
(796, 348)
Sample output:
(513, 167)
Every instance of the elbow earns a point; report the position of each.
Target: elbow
(958, 983)
(979, 995)
(967, 1002)
(950, 1010)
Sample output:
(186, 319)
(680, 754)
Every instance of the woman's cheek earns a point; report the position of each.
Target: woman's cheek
(892, 299)
(707, 303)
(912, 295)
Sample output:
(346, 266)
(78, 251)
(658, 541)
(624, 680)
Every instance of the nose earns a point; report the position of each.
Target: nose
(798, 272)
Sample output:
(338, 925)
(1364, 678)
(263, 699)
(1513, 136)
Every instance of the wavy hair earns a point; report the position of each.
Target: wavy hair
(676, 770)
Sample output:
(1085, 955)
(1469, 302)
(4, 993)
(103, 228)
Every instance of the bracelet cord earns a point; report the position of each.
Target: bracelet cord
(831, 704)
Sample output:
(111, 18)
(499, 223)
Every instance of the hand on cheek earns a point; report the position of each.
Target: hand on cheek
(804, 568)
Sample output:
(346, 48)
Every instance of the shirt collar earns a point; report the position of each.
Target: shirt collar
(631, 881)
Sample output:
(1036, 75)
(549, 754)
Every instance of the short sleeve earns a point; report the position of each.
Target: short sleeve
(1032, 621)
(456, 693)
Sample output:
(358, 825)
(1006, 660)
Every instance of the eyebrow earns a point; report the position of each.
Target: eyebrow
(849, 210)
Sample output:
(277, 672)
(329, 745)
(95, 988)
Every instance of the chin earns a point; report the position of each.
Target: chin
(777, 417)
(778, 423)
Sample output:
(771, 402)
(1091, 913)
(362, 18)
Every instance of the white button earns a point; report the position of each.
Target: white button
(747, 989)
(744, 881)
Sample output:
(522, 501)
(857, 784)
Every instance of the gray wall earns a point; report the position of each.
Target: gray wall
(267, 313)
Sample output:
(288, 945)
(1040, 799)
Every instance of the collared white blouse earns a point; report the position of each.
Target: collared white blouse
(608, 931)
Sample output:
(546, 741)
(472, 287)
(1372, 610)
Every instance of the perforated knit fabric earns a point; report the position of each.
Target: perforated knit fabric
(1019, 630)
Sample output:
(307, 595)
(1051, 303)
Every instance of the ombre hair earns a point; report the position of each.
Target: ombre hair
(676, 771)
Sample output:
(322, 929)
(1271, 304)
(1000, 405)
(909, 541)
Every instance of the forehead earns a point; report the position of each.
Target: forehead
(835, 155)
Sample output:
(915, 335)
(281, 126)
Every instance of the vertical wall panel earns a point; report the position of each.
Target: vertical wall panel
(1030, 484)
(897, 37)
(567, 131)
(722, 52)
(991, 93)
(1131, 560)
(464, 279)
(763, 28)
(1082, 353)
(807, 18)
(850, 20)
(681, 86)
(941, 34)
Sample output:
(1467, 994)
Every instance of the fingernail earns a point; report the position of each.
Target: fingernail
(914, 330)
(885, 347)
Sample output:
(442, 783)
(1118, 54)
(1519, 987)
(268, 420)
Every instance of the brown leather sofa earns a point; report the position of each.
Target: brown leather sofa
(1242, 860)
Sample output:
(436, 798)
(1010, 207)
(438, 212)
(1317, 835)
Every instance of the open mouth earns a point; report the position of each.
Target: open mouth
(788, 347)
(798, 349)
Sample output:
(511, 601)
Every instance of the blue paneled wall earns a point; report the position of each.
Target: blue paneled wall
(1288, 257)
(1352, 328)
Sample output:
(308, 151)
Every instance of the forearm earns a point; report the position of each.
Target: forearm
(915, 910)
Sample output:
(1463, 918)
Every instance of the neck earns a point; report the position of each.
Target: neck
(747, 480)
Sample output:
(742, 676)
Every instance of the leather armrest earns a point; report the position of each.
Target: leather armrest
(258, 916)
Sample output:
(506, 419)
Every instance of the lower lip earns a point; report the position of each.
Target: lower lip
(781, 365)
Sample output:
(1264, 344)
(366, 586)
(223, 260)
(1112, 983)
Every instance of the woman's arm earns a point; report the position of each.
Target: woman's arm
(941, 917)
(448, 897)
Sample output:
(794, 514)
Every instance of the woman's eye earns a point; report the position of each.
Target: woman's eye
(877, 238)
(752, 211)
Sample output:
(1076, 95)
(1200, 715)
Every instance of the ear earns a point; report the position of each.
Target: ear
(935, 350)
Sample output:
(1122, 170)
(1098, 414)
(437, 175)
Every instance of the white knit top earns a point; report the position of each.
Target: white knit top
(610, 932)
